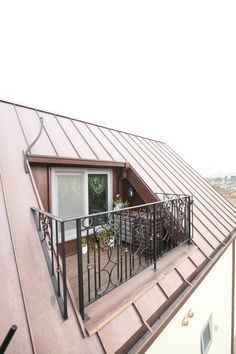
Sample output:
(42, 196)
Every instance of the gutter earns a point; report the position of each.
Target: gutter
(146, 341)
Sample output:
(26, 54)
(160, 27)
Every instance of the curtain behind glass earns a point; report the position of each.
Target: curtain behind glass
(97, 191)
(70, 195)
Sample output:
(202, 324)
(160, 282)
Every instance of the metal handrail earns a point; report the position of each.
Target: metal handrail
(120, 243)
(73, 218)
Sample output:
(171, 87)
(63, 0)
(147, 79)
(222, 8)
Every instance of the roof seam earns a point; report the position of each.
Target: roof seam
(87, 125)
(158, 175)
(125, 158)
(17, 268)
(205, 240)
(76, 119)
(192, 261)
(17, 114)
(47, 135)
(84, 139)
(186, 178)
(137, 161)
(184, 279)
(153, 161)
(141, 318)
(57, 120)
(186, 170)
(199, 176)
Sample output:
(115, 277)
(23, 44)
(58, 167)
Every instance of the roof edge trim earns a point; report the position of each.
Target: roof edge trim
(56, 160)
(168, 316)
(76, 119)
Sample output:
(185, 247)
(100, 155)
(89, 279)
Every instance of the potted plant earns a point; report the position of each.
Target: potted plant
(84, 245)
(106, 237)
(119, 203)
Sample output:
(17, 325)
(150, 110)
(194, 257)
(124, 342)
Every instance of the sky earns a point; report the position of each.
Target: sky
(162, 69)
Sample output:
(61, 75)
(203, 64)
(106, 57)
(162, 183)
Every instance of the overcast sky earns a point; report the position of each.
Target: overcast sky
(163, 69)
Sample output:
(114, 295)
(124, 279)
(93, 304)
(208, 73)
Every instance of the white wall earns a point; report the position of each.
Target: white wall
(213, 296)
(235, 299)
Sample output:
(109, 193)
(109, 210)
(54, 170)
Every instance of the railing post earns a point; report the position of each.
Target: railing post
(51, 245)
(189, 219)
(155, 238)
(39, 221)
(58, 263)
(65, 315)
(80, 267)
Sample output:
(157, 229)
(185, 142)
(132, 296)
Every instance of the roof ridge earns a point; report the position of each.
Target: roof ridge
(78, 120)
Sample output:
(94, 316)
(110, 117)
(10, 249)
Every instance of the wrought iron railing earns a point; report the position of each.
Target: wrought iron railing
(111, 246)
(51, 231)
(165, 196)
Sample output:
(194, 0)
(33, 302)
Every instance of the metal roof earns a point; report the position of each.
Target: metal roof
(23, 268)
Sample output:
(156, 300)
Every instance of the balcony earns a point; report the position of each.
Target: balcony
(111, 247)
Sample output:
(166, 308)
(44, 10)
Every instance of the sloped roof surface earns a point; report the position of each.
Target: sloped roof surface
(158, 166)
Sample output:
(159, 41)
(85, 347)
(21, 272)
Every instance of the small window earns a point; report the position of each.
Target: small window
(206, 336)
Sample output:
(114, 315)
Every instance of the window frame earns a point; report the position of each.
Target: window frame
(208, 324)
(57, 171)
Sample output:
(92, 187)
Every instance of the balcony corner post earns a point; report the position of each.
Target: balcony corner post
(65, 315)
(189, 207)
(80, 267)
(154, 237)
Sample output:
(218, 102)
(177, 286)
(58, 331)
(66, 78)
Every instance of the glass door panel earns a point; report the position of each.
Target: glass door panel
(70, 198)
(97, 196)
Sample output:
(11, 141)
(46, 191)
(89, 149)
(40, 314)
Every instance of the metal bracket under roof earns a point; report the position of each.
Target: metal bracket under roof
(25, 153)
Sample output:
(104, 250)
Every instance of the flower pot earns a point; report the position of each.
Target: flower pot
(118, 206)
(84, 249)
(111, 241)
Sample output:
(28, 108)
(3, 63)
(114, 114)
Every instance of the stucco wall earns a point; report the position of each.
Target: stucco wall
(213, 296)
(235, 299)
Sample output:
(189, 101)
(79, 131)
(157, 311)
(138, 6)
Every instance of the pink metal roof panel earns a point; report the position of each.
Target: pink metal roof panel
(136, 164)
(80, 144)
(143, 160)
(150, 302)
(30, 123)
(195, 185)
(203, 243)
(61, 143)
(172, 154)
(197, 257)
(186, 268)
(108, 307)
(42, 310)
(183, 181)
(94, 142)
(12, 305)
(109, 145)
(213, 236)
(121, 329)
(180, 187)
(170, 283)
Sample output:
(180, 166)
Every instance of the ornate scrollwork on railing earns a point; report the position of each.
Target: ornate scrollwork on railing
(120, 243)
(116, 245)
(46, 228)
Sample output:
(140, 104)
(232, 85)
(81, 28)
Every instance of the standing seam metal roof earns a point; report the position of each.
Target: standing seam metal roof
(158, 166)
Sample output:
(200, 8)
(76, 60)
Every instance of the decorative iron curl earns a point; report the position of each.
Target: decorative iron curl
(45, 223)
